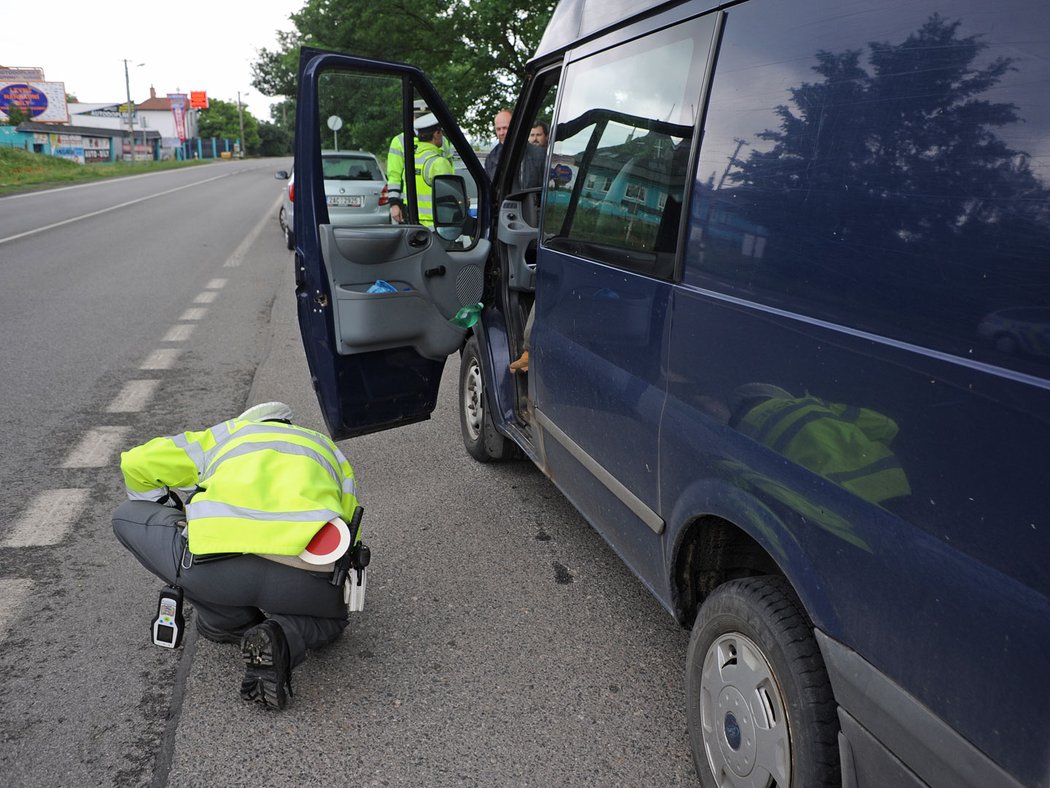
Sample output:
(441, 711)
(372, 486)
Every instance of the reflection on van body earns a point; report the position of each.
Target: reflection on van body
(790, 356)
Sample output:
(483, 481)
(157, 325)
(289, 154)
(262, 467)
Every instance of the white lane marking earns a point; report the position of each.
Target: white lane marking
(207, 297)
(164, 358)
(161, 359)
(13, 594)
(111, 208)
(96, 448)
(178, 333)
(103, 182)
(133, 397)
(48, 518)
(216, 284)
(235, 259)
(194, 313)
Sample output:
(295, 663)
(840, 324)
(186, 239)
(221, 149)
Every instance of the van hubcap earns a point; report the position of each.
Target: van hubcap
(472, 401)
(742, 711)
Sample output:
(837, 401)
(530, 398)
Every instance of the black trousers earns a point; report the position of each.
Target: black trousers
(234, 593)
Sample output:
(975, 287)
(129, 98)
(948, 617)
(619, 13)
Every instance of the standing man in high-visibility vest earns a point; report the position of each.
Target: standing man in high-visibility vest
(395, 172)
(260, 488)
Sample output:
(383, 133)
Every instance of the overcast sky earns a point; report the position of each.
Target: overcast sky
(185, 45)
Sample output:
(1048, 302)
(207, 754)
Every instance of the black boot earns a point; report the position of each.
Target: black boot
(267, 665)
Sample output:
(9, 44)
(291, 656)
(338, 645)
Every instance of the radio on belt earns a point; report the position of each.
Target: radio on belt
(169, 624)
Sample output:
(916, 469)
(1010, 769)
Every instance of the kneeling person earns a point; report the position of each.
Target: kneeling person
(261, 488)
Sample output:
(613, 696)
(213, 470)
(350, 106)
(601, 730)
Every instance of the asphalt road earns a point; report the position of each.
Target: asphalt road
(503, 643)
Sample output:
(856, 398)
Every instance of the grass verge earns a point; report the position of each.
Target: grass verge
(23, 171)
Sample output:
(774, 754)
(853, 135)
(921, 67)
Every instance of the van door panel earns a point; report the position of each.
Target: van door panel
(376, 358)
(431, 284)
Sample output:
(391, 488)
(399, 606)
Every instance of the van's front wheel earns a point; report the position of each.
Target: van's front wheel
(759, 703)
(480, 437)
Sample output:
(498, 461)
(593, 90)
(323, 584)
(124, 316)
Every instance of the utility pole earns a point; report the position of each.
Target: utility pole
(131, 125)
(240, 117)
(131, 110)
(732, 160)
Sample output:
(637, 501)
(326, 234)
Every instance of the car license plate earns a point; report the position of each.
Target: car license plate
(346, 200)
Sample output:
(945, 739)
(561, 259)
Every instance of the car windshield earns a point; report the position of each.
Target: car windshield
(351, 168)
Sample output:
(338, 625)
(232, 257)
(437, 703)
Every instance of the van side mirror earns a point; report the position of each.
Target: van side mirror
(451, 208)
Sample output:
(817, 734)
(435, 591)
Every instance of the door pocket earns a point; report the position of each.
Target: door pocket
(366, 322)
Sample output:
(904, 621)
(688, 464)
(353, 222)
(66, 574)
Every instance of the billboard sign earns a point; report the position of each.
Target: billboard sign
(68, 146)
(44, 102)
(198, 99)
(178, 109)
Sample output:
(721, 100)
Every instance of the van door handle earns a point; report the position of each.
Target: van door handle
(438, 271)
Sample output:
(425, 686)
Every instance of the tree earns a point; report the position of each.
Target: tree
(222, 120)
(16, 113)
(274, 140)
(475, 53)
(868, 159)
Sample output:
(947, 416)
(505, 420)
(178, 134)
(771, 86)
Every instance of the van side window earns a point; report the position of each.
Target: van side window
(621, 152)
(891, 178)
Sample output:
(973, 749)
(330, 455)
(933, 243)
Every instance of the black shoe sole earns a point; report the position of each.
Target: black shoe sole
(266, 673)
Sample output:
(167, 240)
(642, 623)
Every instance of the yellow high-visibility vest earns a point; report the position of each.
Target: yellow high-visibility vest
(848, 445)
(395, 166)
(264, 487)
(430, 162)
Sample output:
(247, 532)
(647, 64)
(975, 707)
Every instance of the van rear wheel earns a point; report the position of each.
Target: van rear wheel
(480, 437)
(760, 708)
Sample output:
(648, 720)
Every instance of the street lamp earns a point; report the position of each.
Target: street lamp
(240, 118)
(131, 122)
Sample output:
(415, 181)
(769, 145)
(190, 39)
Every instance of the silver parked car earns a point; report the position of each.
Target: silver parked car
(354, 187)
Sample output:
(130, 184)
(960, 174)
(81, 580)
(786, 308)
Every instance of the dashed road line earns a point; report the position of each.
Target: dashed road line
(194, 313)
(133, 397)
(216, 284)
(207, 297)
(178, 333)
(96, 448)
(48, 518)
(163, 358)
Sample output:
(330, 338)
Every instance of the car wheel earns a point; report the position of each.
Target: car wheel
(289, 238)
(480, 437)
(760, 708)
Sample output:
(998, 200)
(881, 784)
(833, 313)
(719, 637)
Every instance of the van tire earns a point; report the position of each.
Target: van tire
(785, 698)
(480, 437)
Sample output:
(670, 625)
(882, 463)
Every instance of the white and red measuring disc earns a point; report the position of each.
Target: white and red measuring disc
(328, 544)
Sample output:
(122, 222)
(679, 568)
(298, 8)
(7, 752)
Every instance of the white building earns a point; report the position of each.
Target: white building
(154, 116)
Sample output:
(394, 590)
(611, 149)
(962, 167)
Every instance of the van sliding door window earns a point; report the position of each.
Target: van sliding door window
(624, 133)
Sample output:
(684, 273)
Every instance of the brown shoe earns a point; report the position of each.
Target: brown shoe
(522, 364)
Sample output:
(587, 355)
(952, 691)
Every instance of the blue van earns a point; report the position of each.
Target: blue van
(772, 281)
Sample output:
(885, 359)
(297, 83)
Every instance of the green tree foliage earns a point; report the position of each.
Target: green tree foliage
(221, 120)
(275, 140)
(474, 52)
(16, 113)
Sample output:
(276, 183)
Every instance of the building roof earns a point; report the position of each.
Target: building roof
(84, 131)
(154, 102)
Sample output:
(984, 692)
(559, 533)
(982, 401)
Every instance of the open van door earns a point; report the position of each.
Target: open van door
(378, 301)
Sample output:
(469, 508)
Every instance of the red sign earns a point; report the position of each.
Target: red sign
(198, 99)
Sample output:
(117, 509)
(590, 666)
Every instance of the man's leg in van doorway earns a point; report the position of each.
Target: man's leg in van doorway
(522, 364)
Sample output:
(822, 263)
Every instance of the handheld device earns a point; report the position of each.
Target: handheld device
(167, 628)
